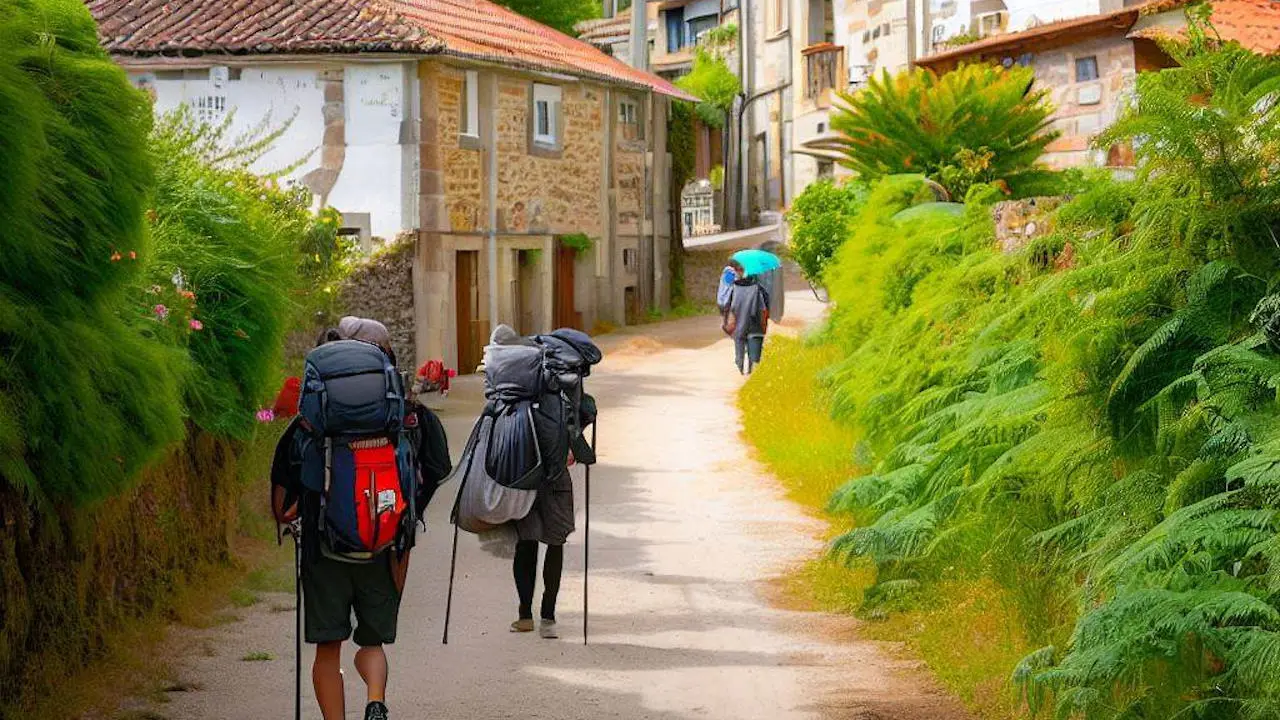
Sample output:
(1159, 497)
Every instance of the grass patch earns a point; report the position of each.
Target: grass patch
(786, 418)
(258, 656)
(966, 631)
(242, 597)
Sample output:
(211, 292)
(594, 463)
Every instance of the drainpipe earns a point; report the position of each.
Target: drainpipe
(493, 202)
(742, 164)
(639, 35)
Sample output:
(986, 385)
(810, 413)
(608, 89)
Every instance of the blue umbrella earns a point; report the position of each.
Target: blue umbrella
(757, 262)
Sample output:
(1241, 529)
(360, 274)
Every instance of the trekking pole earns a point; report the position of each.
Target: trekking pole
(586, 545)
(453, 566)
(295, 531)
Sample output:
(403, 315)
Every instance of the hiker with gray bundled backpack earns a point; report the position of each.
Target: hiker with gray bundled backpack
(516, 491)
(351, 478)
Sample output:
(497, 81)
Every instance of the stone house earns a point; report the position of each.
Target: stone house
(1089, 64)
(524, 167)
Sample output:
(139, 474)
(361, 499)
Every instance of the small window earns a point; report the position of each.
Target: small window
(469, 114)
(777, 16)
(826, 169)
(875, 33)
(629, 127)
(675, 29)
(939, 33)
(211, 109)
(546, 111)
(699, 25)
(866, 36)
(1087, 68)
(629, 258)
(992, 24)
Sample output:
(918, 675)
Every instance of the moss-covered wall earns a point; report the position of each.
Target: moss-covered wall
(70, 578)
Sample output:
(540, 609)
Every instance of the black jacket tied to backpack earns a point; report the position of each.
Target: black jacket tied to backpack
(534, 415)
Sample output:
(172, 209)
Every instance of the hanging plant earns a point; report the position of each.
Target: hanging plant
(578, 242)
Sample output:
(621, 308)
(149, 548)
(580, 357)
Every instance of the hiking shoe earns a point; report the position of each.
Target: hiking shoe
(375, 711)
(547, 630)
(522, 625)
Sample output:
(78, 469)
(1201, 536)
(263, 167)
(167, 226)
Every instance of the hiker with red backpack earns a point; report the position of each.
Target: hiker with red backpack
(351, 478)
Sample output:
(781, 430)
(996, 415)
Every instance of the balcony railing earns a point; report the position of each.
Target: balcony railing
(823, 69)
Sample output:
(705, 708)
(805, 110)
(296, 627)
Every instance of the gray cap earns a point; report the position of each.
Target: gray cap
(370, 331)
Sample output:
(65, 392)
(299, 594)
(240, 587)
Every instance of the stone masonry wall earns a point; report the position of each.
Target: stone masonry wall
(382, 289)
(702, 275)
(558, 195)
(464, 166)
(1084, 108)
(536, 194)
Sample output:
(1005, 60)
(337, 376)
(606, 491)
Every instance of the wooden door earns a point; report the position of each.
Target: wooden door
(467, 304)
(565, 310)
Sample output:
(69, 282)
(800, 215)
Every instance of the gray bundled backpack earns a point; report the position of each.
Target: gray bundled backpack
(533, 415)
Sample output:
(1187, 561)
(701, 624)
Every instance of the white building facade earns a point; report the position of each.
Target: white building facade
(346, 131)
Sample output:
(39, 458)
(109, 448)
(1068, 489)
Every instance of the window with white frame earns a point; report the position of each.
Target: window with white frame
(629, 125)
(469, 114)
(546, 112)
(992, 23)
(1087, 68)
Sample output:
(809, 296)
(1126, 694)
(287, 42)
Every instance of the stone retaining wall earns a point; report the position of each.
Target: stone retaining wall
(382, 289)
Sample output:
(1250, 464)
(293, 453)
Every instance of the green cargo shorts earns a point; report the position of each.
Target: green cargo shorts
(332, 590)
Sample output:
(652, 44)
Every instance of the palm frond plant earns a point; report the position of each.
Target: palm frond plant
(978, 124)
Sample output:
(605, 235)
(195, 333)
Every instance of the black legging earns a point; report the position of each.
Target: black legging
(525, 569)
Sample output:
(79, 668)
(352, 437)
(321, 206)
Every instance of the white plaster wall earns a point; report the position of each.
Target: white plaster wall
(1025, 13)
(373, 176)
(270, 95)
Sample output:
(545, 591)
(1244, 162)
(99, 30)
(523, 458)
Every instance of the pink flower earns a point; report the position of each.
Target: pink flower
(161, 311)
(196, 324)
(266, 415)
(115, 257)
(133, 255)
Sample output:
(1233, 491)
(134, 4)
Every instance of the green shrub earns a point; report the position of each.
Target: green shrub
(819, 219)
(86, 400)
(230, 249)
(712, 82)
(1099, 424)
(978, 124)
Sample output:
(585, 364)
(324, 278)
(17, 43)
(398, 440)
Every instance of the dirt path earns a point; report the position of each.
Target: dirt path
(685, 534)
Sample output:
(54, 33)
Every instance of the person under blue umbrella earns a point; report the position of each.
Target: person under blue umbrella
(746, 320)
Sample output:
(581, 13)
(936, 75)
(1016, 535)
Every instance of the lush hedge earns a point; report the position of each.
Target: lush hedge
(1093, 416)
(86, 398)
(147, 282)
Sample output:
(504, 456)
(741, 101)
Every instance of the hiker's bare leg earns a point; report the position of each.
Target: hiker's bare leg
(371, 663)
(326, 676)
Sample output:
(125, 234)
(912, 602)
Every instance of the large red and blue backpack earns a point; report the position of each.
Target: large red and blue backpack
(361, 458)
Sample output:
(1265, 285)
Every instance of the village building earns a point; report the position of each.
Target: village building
(1089, 64)
(672, 31)
(526, 168)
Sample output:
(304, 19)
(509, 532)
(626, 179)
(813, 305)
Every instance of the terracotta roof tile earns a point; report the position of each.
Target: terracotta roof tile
(151, 27)
(605, 29)
(1255, 24)
(472, 29)
(486, 31)
(1121, 19)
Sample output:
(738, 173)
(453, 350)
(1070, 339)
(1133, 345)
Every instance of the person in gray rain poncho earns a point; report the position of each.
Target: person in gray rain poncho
(747, 321)
(516, 487)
